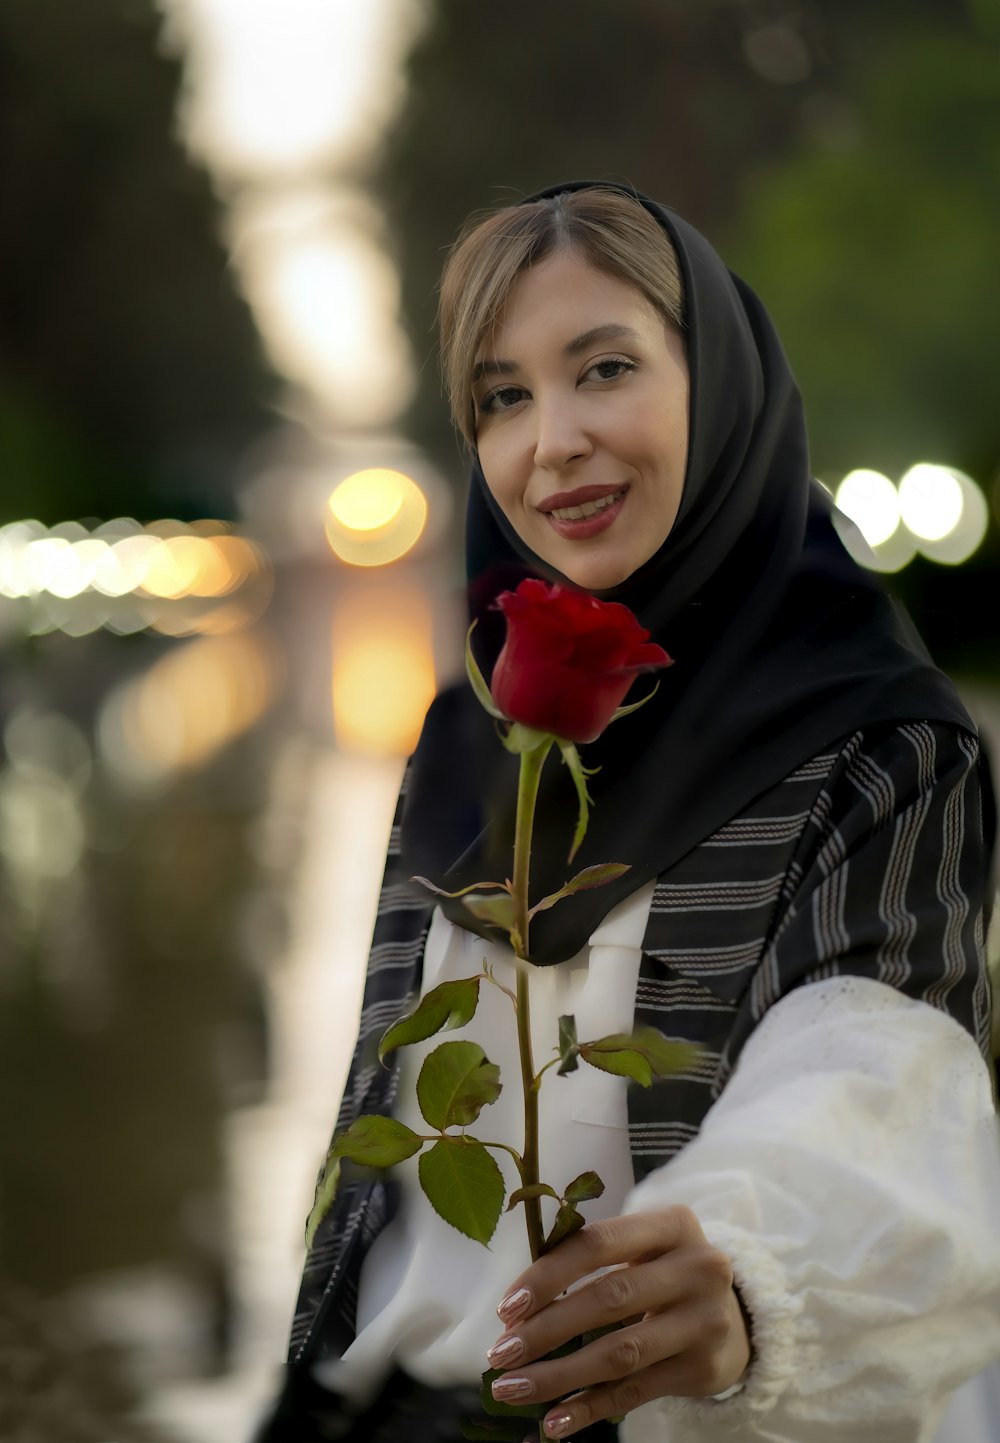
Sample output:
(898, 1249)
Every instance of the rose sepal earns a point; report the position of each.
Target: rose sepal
(520, 738)
(579, 773)
(634, 706)
(477, 681)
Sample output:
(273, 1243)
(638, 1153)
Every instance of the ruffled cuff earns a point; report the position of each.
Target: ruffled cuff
(763, 1288)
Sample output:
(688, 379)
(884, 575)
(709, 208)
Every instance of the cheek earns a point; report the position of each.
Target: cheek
(501, 476)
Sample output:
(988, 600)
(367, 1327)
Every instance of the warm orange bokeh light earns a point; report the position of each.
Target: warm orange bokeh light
(375, 517)
(187, 707)
(383, 672)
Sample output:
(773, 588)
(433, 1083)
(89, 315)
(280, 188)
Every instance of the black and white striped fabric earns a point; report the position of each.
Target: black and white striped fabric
(868, 860)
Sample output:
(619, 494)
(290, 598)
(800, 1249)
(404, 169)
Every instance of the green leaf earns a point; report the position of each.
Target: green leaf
(504, 1430)
(445, 1007)
(500, 911)
(626, 710)
(521, 738)
(641, 1055)
(567, 1045)
(622, 1061)
(568, 1221)
(375, 1141)
(478, 681)
(457, 1080)
(534, 1189)
(464, 1186)
(326, 1191)
(579, 773)
(588, 1185)
(597, 876)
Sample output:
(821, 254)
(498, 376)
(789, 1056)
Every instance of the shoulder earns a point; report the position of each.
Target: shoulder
(926, 774)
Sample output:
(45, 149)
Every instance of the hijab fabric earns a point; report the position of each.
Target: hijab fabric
(782, 644)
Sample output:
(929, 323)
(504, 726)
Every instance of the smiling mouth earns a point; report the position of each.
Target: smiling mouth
(586, 508)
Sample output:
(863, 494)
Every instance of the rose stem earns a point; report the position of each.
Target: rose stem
(527, 795)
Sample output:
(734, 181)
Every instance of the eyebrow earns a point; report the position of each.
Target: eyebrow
(610, 331)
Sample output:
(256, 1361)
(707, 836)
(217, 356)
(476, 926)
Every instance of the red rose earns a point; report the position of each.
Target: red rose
(568, 659)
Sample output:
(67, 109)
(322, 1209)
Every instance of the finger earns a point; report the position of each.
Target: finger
(673, 1378)
(598, 1245)
(614, 1297)
(621, 1354)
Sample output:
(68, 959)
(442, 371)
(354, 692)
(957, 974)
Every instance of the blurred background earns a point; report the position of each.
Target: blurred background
(230, 577)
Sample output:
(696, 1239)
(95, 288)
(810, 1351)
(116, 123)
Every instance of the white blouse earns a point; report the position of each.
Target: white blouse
(850, 1170)
(428, 1295)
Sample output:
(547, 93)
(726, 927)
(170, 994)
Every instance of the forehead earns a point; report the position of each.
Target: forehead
(563, 297)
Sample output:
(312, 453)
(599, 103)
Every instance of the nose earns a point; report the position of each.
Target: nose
(561, 435)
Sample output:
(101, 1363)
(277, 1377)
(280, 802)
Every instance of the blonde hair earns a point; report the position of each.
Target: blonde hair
(610, 229)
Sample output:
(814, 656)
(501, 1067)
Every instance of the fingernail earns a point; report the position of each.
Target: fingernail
(558, 1424)
(507, 1351)
(505, 1388)
(514, 1306)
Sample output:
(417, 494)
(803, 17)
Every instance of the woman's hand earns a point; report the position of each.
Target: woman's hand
(681, 1327)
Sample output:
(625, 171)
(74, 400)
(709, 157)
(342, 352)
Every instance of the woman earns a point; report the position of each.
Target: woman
(800, 1230)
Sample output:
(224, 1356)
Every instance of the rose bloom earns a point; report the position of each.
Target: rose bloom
(568, 659)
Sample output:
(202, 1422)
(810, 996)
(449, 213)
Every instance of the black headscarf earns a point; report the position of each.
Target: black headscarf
(782, 645)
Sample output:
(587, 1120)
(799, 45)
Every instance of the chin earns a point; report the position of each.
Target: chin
(597, 573)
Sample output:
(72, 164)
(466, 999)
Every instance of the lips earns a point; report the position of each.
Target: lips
(561, 500)
(581, 517)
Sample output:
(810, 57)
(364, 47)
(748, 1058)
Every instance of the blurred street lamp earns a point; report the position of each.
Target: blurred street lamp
(375, 517)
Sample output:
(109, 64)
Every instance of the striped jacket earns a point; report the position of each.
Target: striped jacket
(868, 859)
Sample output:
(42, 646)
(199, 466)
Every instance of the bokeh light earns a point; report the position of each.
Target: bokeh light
(937, 510)
(934, 495)
(375, 516)
(872, 502)
(930, 501)
(890, 555)
(383, 671)
(189, 705)
(168, 576)
(42, 834)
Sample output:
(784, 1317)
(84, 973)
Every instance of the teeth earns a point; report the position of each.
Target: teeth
(589, 508)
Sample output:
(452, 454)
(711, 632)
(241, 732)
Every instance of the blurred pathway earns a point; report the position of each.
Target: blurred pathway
(273, 1149)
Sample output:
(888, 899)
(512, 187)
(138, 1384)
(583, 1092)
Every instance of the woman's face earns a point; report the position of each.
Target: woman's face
(581, 399)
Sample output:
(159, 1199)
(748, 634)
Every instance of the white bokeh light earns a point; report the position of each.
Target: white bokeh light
(326, 300)
(285, 85)
(966, 529)
(872, 503)
(930, 501)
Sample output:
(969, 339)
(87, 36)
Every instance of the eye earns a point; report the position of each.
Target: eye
(500, 399)
(609, 368)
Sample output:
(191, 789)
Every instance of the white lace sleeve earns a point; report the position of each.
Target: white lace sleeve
(851, 1171)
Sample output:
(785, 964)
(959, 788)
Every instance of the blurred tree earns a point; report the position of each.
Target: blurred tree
(878, 256)
(845, 158)
(687, 100)
(130, 373)
(876, 246)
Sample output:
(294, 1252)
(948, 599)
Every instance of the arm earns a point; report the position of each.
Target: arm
(869, 1128)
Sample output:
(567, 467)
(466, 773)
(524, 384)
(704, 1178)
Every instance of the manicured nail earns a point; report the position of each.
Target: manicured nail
(514, 1306)
(505, 1388)
(505, 1352)
(557, 1424)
